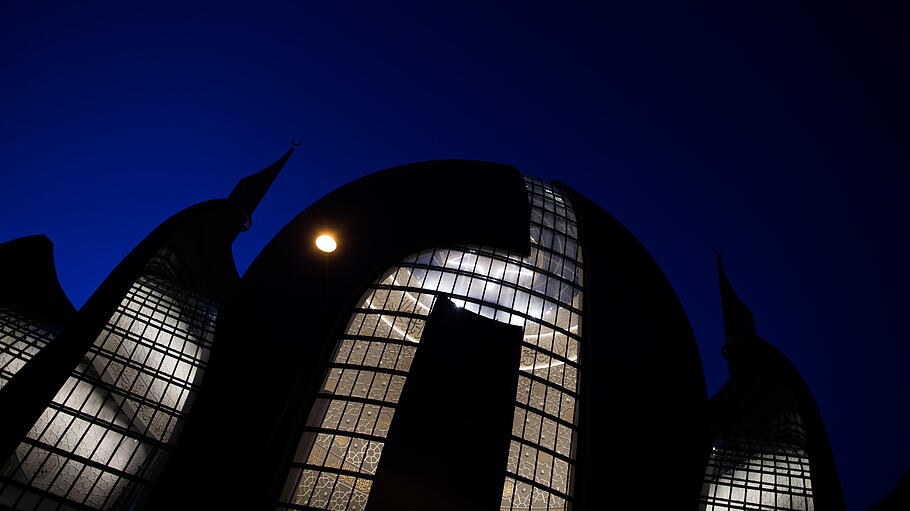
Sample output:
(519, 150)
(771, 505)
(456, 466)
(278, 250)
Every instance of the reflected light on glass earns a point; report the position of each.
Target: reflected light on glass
(326, 243)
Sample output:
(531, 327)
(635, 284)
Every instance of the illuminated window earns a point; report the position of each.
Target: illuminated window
(22, 336)
(750, 474)
(342, 445)
(108, 431)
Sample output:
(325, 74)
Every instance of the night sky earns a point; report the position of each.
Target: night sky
(776, 133)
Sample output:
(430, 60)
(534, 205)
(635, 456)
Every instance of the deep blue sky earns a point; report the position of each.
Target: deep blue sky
(777, 133)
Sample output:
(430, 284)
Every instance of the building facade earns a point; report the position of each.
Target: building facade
(541, 293)
(493, 341)
(770, 449)
(93, 416)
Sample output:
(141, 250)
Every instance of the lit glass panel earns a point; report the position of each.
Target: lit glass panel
(540, 292)
(751, 474)
(22, 336)
(109, 429)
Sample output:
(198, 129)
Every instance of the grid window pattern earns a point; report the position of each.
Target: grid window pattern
(22, 336)
(109, 429)
(342, 444)
(750, 474)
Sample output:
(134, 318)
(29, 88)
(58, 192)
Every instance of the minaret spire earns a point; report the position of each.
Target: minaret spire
(249, 191)
(739, 324)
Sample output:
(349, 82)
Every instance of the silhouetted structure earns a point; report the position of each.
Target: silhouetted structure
(770, 448)
(33, 307)
(92, 418)
(898, 498)
(487, 340)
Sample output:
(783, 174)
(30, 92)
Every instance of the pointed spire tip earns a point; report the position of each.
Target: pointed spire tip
(249, 191)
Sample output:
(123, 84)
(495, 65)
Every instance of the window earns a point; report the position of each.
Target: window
(342, 444)
(107, 432)
(751, 474)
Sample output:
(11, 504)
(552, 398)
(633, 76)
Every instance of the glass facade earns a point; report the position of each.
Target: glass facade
(750, 474)
(341, 447)
(22, 336)
(109, 429)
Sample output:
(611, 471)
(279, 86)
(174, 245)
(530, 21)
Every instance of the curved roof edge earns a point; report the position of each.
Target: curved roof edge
(760, 374)
(29, 278)
(637, 335)
(454, 179)
(898, 498)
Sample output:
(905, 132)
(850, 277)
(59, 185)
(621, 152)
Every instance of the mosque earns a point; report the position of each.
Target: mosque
(489, 340)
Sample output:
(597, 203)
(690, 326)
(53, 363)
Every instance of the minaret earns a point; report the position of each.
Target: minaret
(763, 414)
(136, 356)
(250, 190)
